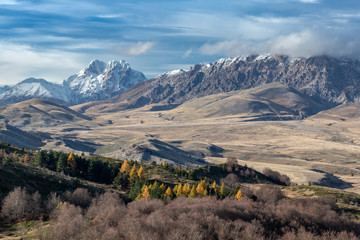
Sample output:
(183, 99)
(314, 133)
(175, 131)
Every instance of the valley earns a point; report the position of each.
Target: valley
(263, 124)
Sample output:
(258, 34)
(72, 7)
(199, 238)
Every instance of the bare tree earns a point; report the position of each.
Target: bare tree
(231, 163)
(15, 205)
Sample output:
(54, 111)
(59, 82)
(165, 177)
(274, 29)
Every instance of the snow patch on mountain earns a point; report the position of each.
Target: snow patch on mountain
(97, 81)
(34, 88)
(101, 80)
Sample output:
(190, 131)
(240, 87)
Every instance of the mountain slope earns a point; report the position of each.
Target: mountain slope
(329, 81)
(100, 81)
(39, 113)
(19, 138)
(34, 88)
(270, 101)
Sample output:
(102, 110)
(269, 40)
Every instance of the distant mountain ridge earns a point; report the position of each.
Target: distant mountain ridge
(98, 81)
(329, 81)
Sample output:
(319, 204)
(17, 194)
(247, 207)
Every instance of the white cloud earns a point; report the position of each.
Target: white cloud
(18, 61)
(8, 2)
(187, 53)
(136, 49)
(309, 1)
(305, 43)
(111, 15)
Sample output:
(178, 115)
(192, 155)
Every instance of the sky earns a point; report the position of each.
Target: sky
(53, 39)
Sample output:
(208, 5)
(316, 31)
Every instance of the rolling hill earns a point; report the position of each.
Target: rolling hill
(39, 113)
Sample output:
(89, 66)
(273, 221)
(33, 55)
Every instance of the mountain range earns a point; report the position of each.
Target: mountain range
(328, 81)
(97, 81)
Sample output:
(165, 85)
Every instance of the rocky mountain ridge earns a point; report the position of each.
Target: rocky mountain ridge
(97, 81)
(329, 81)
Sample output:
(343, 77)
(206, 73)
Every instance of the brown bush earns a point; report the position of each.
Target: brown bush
(269, 217)
(18, 204)
(231, 180)
(52, 202)
(80, 197)
(276, 177)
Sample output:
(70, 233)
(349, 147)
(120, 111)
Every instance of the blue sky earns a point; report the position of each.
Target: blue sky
(53, 39)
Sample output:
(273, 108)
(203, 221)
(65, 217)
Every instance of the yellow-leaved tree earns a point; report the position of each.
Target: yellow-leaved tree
(186, 189)
(201, 188)
(141, 174)
(168, 193)
(162, 189)
(238, 195)
(145, 194)
(222, 190)
(133, 173)
(192, 193)
(178, 190)
(26, 158)
(125, 167)
(71, 161)
(213, 187)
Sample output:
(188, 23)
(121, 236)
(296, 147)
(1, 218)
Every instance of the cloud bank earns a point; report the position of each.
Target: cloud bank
(300, 44)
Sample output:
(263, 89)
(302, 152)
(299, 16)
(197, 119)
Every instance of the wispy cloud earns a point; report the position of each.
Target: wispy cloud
(305, 43)
(18, 61)
(187, 53)
(9, 2)
(309, 1)
(149, 33)
(136, 49)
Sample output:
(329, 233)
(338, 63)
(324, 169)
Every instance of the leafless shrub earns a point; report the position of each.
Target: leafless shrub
(277, 177)
(231, 180)
(268, 194)
(52, 202)
(34, 204)
(231, 163)
(15, 205)
(80, 197)
(269, 217)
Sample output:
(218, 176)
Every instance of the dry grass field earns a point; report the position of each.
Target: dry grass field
(323, 149)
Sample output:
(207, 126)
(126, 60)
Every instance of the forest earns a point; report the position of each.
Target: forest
(227, 201)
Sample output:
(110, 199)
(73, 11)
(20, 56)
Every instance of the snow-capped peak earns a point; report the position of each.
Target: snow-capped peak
(101, 80)
(97, 81)
(95, 67)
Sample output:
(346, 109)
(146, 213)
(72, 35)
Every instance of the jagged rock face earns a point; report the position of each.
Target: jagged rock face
(330, 81)
(100, 81)
(34, 88)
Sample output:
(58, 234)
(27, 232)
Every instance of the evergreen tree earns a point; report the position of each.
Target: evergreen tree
(135, 189)
(155, 190)
(40, 158)
(121, 181)
(61, 162)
